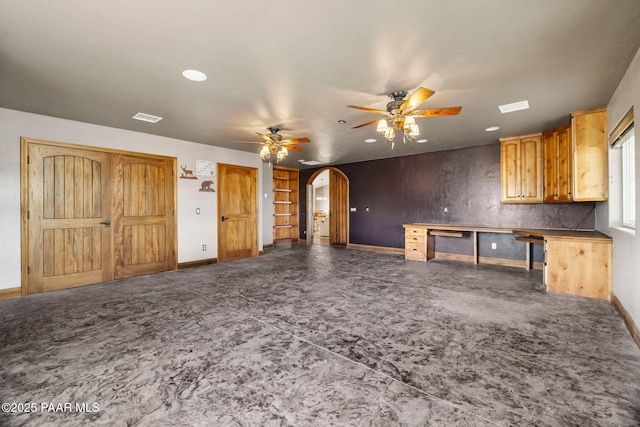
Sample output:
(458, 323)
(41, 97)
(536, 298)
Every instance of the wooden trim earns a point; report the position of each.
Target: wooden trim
(98, 149)
(267, 246)
(198, 263)
(445, 233)
(455, 257)
(10, 293)
(626, 317)
(620, 129)
(373, 248)
(24, 206)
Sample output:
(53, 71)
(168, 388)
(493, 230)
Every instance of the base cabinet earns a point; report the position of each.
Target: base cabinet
(578, 267)
(416, 244)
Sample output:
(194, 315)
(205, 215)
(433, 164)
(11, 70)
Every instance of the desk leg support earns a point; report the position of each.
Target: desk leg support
(475, 247)
(431, 246)
(527, 256)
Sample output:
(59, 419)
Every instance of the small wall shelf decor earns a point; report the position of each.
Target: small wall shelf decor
(187, 173)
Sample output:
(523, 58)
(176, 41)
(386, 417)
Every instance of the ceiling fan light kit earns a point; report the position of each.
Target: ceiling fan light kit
(401, 115)
(274, 146)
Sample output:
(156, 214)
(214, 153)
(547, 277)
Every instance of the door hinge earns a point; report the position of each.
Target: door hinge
(28, 269)
(28, 215)
(28, 160)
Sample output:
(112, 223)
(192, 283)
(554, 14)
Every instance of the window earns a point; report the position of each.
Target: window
(623, 137)
(628, 179)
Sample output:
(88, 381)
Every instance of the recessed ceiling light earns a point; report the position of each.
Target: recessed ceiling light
(492, 128)
(421, 141)
(194, 75)
(516, 106)
(147, 117)
(370, 140)
(341, 121)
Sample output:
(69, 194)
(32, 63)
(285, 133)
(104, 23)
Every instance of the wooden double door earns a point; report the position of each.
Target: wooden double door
(91, 216)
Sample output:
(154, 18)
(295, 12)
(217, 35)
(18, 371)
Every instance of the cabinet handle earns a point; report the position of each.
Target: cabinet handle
(415, 238)
(415, 250)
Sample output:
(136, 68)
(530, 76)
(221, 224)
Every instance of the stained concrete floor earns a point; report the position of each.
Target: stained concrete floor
(311, 335)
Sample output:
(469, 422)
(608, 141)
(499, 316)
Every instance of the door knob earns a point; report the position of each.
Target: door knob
(223, 218)
(106, 222)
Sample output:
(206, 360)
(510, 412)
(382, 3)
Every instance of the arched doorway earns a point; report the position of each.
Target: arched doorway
(334, 215)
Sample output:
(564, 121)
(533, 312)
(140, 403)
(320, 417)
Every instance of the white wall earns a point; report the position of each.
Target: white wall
(267, 200)
(626, 243)
(193, 230)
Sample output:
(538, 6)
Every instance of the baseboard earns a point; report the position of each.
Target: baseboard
(269, 246)
(10, 293)
(373, 248)
(628, 320)
(199, 263)
(454, 257)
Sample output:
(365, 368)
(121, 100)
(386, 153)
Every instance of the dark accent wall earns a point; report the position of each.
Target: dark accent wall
(417, 188)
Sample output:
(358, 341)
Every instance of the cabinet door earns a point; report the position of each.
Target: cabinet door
(550, 148)
(563, 141)
(557, 166)
(510, 164)
(590, 152)
(531, 169)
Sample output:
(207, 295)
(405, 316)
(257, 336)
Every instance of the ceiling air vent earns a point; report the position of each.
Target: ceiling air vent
(516, 106)
(147, 118)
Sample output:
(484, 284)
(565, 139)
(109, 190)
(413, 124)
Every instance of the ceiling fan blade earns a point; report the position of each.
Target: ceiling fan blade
(265, 137)
(295, 141)
(371, 110)
(292, 147)
(251, 142)
(415, 99)
(366, 124)
(450, 111)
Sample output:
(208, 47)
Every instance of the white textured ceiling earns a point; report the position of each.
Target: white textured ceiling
(296, 64)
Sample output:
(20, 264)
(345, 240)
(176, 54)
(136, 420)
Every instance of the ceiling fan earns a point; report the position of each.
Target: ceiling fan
(273, 144)
(401, 113)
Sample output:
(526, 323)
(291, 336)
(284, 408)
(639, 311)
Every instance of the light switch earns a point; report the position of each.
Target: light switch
(353, 209)
(197, 211)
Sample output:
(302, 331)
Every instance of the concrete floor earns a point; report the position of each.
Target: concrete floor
(311, 335)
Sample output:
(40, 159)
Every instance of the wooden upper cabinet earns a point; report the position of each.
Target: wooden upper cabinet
(557, 165)
(521, 169)
(590, 151)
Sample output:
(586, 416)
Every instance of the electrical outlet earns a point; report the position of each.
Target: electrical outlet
(446, 210)
(204, 247)
(494, 246)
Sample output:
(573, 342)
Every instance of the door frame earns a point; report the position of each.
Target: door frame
(24, 196)
(309, 198)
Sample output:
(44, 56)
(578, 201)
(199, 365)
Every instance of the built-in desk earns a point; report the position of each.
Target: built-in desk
(576, 262)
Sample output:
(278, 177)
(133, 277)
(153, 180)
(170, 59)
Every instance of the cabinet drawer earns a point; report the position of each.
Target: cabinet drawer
(415, 231)
(414, 238)
(415, 251)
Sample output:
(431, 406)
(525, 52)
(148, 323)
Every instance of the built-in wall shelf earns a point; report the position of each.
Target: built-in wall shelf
(285, 205)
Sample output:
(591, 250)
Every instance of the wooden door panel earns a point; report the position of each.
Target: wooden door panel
(531, 169)
(237, 204)
(68, 198)
(144, 222)
(338, 209)
(511, 180)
